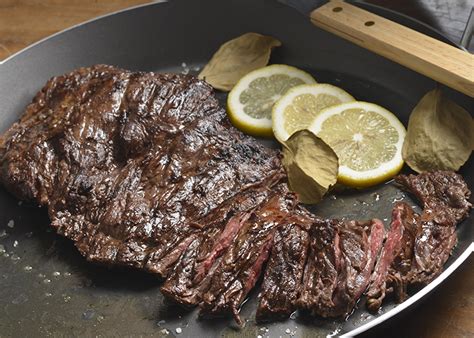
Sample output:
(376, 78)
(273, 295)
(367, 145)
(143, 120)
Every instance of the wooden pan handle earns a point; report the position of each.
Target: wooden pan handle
(430, 57)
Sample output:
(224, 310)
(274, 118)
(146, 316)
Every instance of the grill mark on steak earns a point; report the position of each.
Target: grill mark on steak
(129, 163)
(340, 261)
(237, 271)
(284, 271)
(419, 245)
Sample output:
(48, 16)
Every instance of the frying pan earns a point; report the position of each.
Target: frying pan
(47, 288)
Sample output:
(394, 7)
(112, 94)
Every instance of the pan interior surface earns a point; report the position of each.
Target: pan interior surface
(48, 288)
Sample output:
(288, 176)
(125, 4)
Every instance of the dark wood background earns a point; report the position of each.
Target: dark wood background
(449, 311)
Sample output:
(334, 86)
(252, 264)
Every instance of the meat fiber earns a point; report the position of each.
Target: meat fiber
(237, 271)
(281, 285)
(185, 283)
(340, 261)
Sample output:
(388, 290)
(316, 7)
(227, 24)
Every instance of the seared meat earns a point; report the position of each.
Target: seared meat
(129, 164)
(185, 283)
(397, 252)
(444, 192)
(284, 272)
(340, 261)
(418, 246)
(236, 273)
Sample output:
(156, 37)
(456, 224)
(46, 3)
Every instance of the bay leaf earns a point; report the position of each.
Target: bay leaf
(440, 134)
(311, 166)
(236, 58)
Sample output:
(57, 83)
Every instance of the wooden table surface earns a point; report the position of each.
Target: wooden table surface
(449, 311)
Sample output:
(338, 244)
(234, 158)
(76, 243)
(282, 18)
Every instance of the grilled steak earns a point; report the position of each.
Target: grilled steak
(236, 273)
(130, 164)
(145, 170)
(340, 261)
(284, 271)
(418, 246)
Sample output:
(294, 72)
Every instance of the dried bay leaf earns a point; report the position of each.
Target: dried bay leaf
(440, 135)
(311, 165)
(236, 58)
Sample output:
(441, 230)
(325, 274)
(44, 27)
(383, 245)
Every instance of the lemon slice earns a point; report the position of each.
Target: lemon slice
(250, 102)
(367, 139)
(301, 104)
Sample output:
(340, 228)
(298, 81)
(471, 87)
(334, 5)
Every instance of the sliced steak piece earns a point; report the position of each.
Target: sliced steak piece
(340, 262)
(444, 195)
(219, 229)
(236, 273)
(419, 245)
(283, 276)
(128, 163)
(396, 256)
(443, 192)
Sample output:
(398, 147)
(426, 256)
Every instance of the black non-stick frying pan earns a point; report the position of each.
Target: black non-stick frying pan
(47, 288)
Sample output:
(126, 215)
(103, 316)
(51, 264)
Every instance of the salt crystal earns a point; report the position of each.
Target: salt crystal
(46, 281)
(28, 268)
(259, 336)
(164, 331)
(11, 223)
(48, 294)
(15, 257)
(56, 273)
(15, 244)
(288, 331)
(3, 234)
(178, 330)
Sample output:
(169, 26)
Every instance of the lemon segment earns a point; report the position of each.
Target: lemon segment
(297, 109)
(250, 102)
(367, 138)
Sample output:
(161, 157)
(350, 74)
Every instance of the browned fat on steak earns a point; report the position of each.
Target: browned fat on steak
(131, 165)
(341, 257)
(418, 245)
